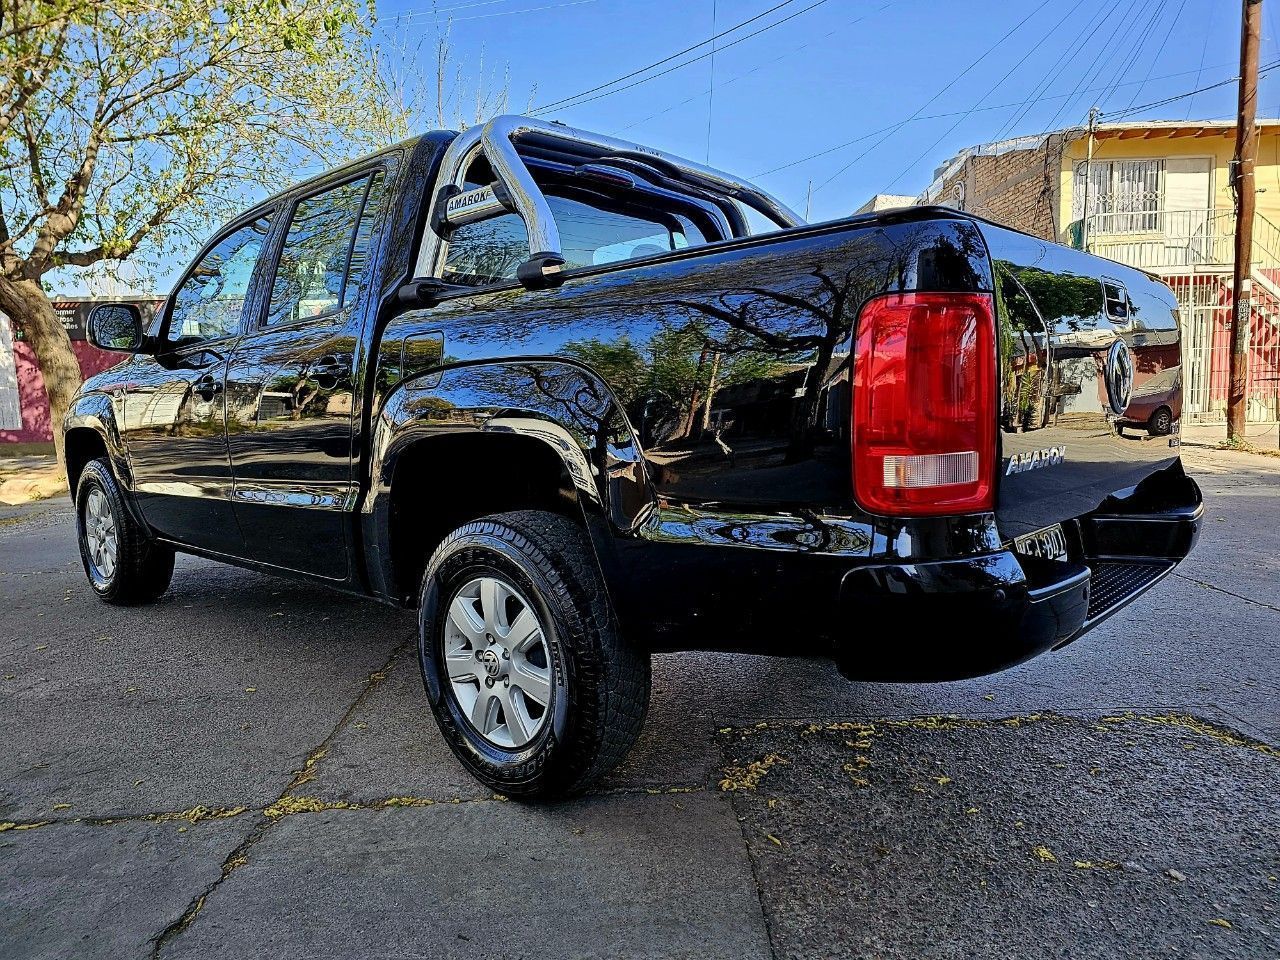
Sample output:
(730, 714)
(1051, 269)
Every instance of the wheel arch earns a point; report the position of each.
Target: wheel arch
(89, 431)
(483, 438)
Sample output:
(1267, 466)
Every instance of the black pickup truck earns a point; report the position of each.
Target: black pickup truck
(575, 400)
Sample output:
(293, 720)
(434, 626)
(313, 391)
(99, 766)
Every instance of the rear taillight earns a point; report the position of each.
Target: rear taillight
(924, 404)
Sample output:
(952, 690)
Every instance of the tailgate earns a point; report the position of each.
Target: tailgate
(1089, 352)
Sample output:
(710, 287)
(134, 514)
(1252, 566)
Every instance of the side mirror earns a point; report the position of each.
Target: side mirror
(116, 326)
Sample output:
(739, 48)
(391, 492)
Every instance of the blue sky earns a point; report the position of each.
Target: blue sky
(833, 78)
(845, 69)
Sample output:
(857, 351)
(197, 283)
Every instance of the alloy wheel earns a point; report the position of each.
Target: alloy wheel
(498, 661)
(100, 533)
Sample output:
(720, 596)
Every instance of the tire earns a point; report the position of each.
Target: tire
(595, 684)
(136, 569)
(1161, 422)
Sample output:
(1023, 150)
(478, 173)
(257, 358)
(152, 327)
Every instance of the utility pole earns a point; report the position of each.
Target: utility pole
(1242, 181)
(1088, 177)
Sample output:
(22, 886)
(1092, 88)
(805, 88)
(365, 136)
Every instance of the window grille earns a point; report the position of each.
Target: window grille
(1125, 196)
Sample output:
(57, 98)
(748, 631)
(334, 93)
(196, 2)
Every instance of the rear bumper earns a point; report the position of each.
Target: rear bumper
(952, 619)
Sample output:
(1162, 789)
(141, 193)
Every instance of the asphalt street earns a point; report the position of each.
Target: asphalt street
(248, 768)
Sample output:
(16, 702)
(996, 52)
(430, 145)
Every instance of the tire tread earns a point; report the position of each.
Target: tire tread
(617, 671)
(144, 566)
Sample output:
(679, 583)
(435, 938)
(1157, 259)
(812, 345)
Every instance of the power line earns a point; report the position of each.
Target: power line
(1130, 111)
(1130, 61)
(681, 65)
(511, 13)
(711, 94)
(435, 12)
(952, 82)
(1204, 48)
(1071, 50)
(956, 113)
(1163, 45)
(990, 90)
(1119, 36)
(756, 69)
(665, 60)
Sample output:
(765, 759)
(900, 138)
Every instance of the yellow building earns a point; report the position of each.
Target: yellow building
(1152, 194)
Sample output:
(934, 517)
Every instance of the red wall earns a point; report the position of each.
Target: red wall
(35, 405)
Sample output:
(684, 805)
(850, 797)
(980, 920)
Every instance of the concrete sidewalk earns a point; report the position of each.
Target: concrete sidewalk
(29, 477)
(1261, 435)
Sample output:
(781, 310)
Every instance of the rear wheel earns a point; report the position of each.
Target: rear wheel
(123, 564)
(534, 689)
(1161, 422)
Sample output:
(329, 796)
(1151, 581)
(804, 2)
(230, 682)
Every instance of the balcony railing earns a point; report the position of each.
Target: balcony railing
(1160, 239)
(1174, 240)
(1193, 251)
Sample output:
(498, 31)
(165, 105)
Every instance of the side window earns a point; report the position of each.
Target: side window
(363, 244)
(489, 251)
(316, 258)
(210, 301)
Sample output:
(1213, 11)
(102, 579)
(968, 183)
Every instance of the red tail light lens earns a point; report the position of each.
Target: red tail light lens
(924, 404)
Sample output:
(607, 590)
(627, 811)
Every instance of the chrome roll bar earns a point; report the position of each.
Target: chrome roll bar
(496, 142)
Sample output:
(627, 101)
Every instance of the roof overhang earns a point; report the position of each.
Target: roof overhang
(1166, 129)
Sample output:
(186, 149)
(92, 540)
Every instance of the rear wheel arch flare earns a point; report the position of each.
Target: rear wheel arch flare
(437, 484)
(560, 401)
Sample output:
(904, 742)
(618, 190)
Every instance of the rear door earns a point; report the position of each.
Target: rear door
(175, 410)
(291, 384)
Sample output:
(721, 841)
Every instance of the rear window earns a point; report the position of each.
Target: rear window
(594, 230)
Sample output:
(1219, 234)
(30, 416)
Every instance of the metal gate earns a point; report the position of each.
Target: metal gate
(1204, 301)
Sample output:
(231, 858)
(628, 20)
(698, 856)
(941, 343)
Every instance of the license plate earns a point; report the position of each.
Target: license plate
(1049, 543)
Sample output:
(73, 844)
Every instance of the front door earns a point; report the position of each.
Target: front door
(290, 391)
(175, 402)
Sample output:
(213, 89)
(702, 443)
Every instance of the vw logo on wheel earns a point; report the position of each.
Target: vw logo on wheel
(492, 665)
(1119, 376)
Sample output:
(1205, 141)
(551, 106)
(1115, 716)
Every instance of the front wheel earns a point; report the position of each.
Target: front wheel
(533, 687)
(124, 566)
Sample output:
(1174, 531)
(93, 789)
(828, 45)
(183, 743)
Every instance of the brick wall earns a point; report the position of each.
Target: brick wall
(1018, 188)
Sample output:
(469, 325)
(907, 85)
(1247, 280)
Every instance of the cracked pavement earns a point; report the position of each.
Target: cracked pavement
(249, 768)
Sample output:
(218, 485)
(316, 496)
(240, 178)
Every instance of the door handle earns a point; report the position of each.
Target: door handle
(328, 371)
(207, 387)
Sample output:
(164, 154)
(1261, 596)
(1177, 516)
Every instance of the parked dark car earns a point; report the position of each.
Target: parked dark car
(548, 388)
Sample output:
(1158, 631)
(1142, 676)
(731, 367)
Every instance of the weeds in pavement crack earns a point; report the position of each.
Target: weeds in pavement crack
(240, 855)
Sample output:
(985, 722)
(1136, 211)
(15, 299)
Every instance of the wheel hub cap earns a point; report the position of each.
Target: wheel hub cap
(492, 663)
(498, 661)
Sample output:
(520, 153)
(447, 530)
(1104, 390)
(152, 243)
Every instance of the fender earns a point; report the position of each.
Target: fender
(96, 411)
(561, 404)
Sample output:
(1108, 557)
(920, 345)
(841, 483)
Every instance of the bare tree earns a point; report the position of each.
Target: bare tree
(446, 94)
